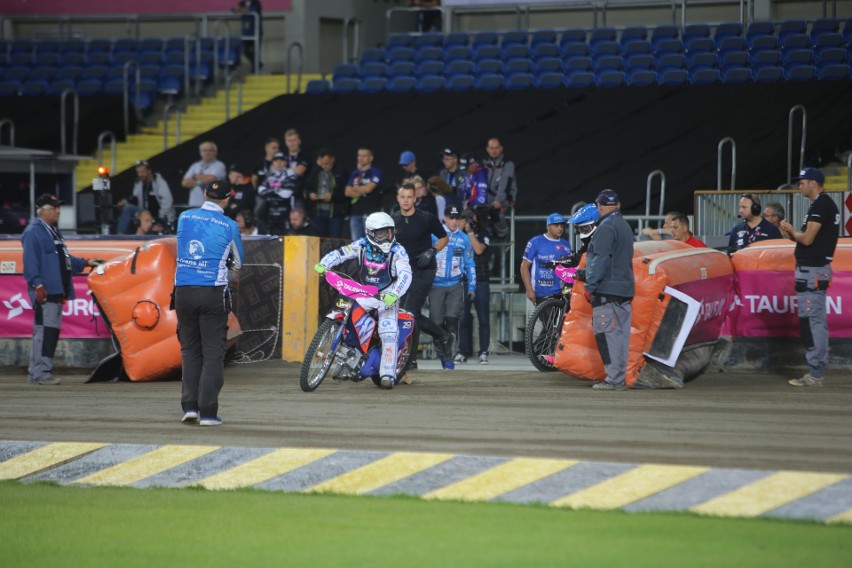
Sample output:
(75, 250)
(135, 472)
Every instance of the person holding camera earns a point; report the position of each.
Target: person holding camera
(474, 223)
(414, 230)
(150, 192)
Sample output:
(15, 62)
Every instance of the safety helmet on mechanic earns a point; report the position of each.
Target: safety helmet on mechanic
(380, 231)
(585, 219)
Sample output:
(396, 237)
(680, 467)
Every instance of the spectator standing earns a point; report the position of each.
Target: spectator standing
(475, 225)
(476, 184)
(414, 230)
(244, 191)
(455, 280)
(363, 188)
(297, 159)
(48, 267)
(249, 8)
(502, 185)
(324, 196)
(428, 20)
(408, 163)
(774, 213)
(454, 174)
(540, 282)
(279, 195)
(815, 245)
(150, 192)
(202, 172)
(610, 288)
(300, 225)
(261, 170)
(423, 198)
(753, 226)
(207, 243)
(680, 231)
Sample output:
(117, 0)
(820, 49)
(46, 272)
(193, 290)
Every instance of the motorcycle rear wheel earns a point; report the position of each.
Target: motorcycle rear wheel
(542, 333)
(318, 359)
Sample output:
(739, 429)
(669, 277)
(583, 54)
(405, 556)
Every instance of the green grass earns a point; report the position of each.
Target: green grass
(50, 525)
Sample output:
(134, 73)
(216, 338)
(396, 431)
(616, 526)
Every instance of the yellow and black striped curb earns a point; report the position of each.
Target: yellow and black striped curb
(825, 497)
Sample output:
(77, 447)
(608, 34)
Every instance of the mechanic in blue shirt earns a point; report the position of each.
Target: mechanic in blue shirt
(541, 282)
(208, 243)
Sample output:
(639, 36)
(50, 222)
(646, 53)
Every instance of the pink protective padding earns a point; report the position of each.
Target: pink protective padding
(565, 273)
(350, 288)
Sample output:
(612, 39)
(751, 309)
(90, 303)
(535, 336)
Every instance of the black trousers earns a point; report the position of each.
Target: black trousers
(413, 300)
(202, 313)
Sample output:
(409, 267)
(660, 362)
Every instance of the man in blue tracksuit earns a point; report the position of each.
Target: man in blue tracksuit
(207, 243)
(446, 298)
(610, 288)
(48, 267)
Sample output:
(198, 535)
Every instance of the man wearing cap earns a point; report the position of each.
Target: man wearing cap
(815, 245)
(208, 244)
(610, 288)
(48, 267)
(476, 185)
(539, 281)
(364, 191)
(202, 172)
(279, 195)
(244, 192)
(408, 162)
(150, 192)
(447, 296)
(455, 175)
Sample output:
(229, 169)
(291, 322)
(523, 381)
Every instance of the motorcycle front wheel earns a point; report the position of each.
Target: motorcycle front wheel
(543, 332)
(319, 357)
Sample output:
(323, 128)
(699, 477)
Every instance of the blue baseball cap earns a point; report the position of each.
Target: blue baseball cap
(406, 158)
(555, 219)
(812, 174)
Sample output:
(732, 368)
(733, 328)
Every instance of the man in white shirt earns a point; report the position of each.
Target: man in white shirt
(202, 172)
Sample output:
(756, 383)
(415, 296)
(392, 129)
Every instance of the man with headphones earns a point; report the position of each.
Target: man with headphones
(753, 227)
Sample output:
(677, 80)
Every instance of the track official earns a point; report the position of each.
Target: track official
(208, 243)
(48, 267)
(815, 244)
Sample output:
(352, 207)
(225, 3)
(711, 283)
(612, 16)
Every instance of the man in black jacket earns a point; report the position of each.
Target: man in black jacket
(324, 198)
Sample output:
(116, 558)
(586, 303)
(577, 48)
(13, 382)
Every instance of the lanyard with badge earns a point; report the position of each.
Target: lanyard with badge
(59, 243)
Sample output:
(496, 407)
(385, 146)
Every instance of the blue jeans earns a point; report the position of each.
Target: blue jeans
(356, 226)
(481, 302)
(328, 226)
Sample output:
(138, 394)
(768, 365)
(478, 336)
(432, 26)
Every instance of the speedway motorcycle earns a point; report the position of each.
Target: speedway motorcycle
(545, 323)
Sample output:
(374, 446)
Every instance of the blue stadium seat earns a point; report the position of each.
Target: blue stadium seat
(47, 46)
(46, 58)
(42, 72)
(89, 86)
(796, 41)
(548, 65)
(515, 37)
(172, 57)
(429, 39)
(545, 50)
(578, 64)
(603, 47)
(73, 58)
(768, 75)
(827, 41)
(572, 36)
(759, 29)
(609, 63)
(704, 76)
(833, 55)
(98, 58)
(23, 46)
(729, 44)
(548, 80)
(490, 67)
(72, 46)
(789, 27)
(69, 72)
(430, 84)
(515, 51)
(669, 45)
(640, 61)
(673, 77)
(9, 88)
(430, 68)
(460, 68)
(99, 72)
(398, 53)
(611, 78)
(633, 33)
(125, 44)
(664, 32)
(35, 87)
(455, 52)
(171, 80)
(734, 59)
(457, 38)
(400, 40)
(373, 85)
(727, 30)
(373, 69)
(699, 44)
(800, 73)
(847, 32)
(17, 73)
(599, 35)
(574, 50)
(486, 51)
(542, 37)
(736, 75)
(485, 38)
(404, 68)
(372, 54)
(763, 43)
(642, 78)
(834, 71)
(317, 86)
(402, 84)
(669, 61)
(345, 84)
(636, 46)
(797, 58)
(695, 61)
(342, 70)
(516, 66)
(489, 82)
(461, 83)
(99, 46)
(519, 81)
(579, 79)
(429, 53)
(156, 57)
(765, 59)
(695, 31)
(58, 86)
(824, 26)
(21, 58)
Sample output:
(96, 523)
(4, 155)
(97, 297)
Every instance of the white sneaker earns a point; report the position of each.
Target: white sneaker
(806, 381)
(214, 421)
(460, 358)
(190, 417)
(483, 358)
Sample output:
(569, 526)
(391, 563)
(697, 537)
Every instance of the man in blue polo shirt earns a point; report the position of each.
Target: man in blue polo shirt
(541, 282)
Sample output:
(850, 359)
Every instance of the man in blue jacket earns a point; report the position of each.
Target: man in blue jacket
(610, 288)
(446, 298)
(208, 243)
(48, 267)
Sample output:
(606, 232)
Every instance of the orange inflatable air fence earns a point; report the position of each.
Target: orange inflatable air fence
(704, 274)
(134, 295)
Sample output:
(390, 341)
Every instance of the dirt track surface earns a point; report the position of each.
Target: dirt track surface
(753, 421)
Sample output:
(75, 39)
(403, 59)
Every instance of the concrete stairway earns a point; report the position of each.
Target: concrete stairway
(198, 119)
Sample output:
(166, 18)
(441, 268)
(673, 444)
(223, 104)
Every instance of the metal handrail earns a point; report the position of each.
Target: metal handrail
(651, 176)
(298, 45)
(186, 43)
(11, 124)
(217, 35)
(355, 23)
(790, 139)
(228, 81)
(63, 119)
(166, 110)
(126, 92)
(722, 142)
(112, 149)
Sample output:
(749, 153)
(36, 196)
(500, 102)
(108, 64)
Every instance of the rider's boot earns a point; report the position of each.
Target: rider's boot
(387, 382)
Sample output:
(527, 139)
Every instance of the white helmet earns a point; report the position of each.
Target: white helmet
(380, 231)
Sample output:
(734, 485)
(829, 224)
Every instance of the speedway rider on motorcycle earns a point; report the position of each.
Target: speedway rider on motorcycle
(382, 263)
(585, 222)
